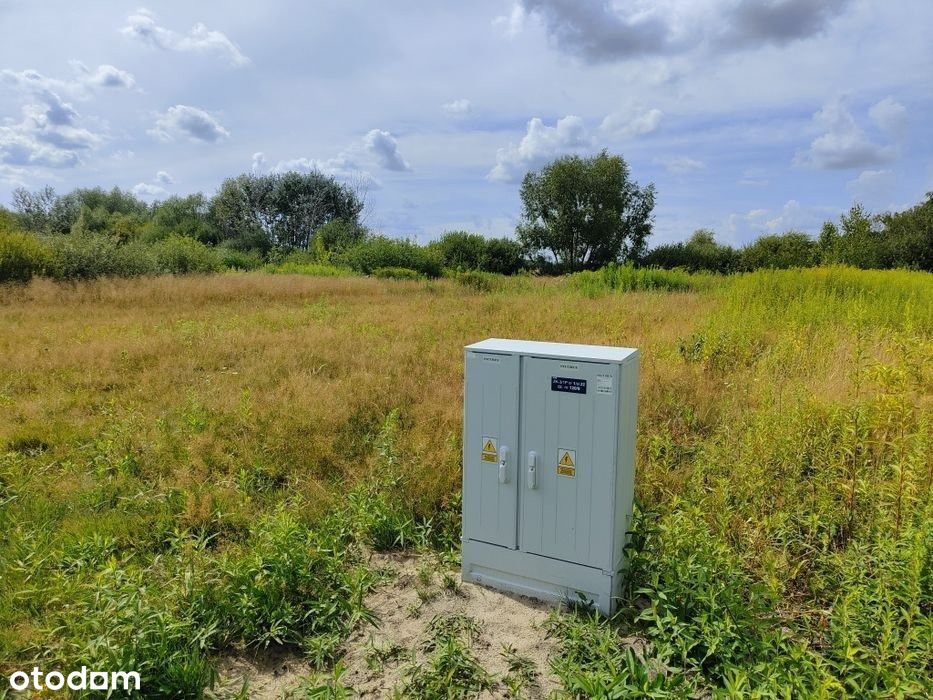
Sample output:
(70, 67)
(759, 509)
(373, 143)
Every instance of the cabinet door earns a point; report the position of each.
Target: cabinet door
(490, 449)
(568, 437)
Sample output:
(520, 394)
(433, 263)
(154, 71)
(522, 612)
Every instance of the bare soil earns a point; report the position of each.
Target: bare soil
(419, 589)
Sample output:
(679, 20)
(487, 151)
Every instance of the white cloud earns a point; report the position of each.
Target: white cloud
(681, 165)
(258, 165)
(458, 107)
(890, 116)
(384, 147)
(540, 144)
(142, 26)
(351, 165)
(34, 83)
(844, 144)
(792, 216)
(51, 133)
(625, 124)
(872, 187)
(148, 190)
(163, 178)
(13, 175)
(20, 146)
(105, 76)
(193, 122)
(341, 167)
(511, 25)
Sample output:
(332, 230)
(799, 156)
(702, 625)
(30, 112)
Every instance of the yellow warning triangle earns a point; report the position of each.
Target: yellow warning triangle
(566, 460)
(489, 447)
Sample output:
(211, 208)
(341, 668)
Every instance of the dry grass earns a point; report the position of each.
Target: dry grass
(790, 409)
(207, 373)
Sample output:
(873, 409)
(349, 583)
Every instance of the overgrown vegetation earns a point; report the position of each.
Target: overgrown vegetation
(195, 465)
(579, 214)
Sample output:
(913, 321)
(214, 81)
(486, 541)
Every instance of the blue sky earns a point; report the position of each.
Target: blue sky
(750, 116)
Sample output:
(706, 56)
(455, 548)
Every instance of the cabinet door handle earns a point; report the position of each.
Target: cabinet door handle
(532, 470)
(503, 465)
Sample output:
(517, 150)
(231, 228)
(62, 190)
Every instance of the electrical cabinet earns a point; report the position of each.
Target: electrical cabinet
(548, 467)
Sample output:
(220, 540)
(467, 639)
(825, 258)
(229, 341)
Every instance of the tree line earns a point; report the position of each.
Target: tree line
(577, 214)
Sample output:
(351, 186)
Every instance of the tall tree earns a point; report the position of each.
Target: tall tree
(286, 207)
(585, 212)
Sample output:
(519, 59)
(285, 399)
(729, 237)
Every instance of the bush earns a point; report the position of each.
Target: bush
(380, 251)
(180, 256)
(700, 253)
(234, 259)
(627, 278)
(397, 273)
(909, 236)
(479, 281)
(460, 250)
(503, 256)
(336, 236)
(87, 256)
(781, 251)
(22, 255)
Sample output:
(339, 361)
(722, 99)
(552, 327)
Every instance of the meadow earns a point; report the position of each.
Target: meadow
(195, 464)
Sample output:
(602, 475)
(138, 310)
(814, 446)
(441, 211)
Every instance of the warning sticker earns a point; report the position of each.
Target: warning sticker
(490, 451)
(604, 384)
(566, 462)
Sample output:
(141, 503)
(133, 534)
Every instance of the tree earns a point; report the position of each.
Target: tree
(781, 251)
(700, 252)
(34, 209)
(503, 255)
(286, 207)
(336, 236)
(585, 212)
(909, 236)
(461, 250)
(861, 242)
(185, 216)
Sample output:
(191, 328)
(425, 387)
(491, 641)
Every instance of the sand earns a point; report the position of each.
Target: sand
(419, 592)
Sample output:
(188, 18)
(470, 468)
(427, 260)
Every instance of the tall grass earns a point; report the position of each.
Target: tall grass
(195, 465)
(627, 278)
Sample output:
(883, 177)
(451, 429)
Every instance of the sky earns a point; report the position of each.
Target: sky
(749, 116)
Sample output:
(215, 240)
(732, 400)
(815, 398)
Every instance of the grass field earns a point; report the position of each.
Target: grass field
(194, 464)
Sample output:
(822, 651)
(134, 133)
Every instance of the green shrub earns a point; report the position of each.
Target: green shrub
(380, 251)
(478, 281)
(180, 256)
(336, 236)
(627, 278)
(780, 251)
(503, 256)
(87, 256)
(22, 256)
(700, 253)
(461, 250)
(233, 259)
(397, 273)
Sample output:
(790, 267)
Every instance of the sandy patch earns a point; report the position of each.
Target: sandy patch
(406, 607)
(419, 592)
(270, 674)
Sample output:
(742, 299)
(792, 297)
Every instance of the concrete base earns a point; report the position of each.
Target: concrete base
(539, 577)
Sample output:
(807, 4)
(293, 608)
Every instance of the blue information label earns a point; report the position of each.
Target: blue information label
(568, 384)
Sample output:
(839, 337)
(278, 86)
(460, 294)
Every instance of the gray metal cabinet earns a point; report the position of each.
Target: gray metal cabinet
(548, 467)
